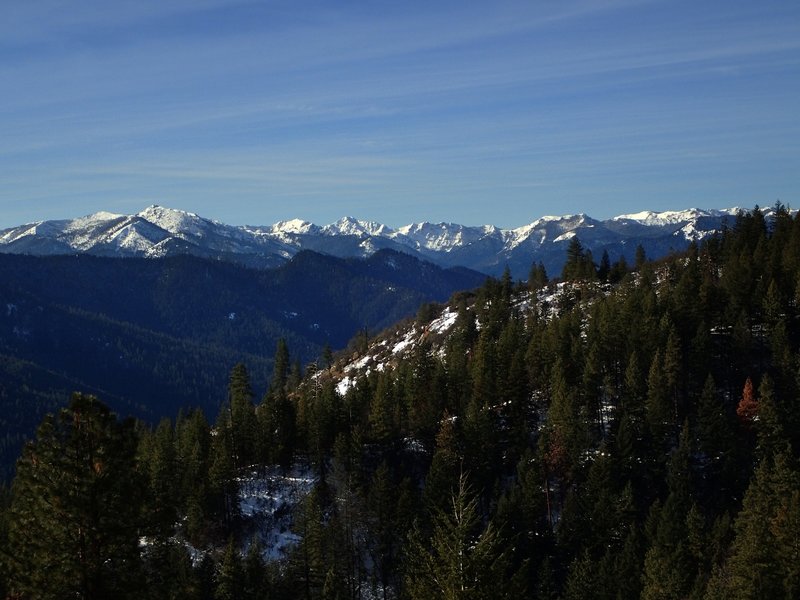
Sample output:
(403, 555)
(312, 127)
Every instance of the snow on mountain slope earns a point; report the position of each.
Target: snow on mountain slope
(295, 226)
(161, 231)
(46, 229)
(548, 229)
(351, 226)
(442, 237)
(177, 222)
(385, 351)
(117, 232)
(91, 221)
(671, 217)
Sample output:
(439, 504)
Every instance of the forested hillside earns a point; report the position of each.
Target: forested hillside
(627, 434)
(152, 336)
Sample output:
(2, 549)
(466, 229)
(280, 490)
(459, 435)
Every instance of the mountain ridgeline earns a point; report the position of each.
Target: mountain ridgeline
(575, 439)
(151, 336)
(159, 232)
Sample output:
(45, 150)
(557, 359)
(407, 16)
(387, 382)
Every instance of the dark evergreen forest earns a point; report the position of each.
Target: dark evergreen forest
(152, 336)
(633, 436)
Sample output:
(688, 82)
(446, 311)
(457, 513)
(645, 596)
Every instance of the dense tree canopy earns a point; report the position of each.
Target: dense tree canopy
(622, 434)
(74, 519)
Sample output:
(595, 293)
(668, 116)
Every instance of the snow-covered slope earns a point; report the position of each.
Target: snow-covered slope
(442, 237)
(403, 340)
(159, 231)
(672, 217)
(351, 226)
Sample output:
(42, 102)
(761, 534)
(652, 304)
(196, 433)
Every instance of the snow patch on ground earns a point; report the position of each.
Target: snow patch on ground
(445, 322)
(268, 500)
(404, 343)
(414, 445)
(344, 385)
(360, 363)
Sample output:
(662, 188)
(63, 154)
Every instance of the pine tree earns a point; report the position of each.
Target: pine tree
(581, 579)
(579, 265)
(322, 421)
(618, 270)
(168, 571)
(204, 574)
(716, 428)
(640, 257)
(76, 506)
(383, 411)
(280, 367)
(311, 560)
(223, 485)
(242, 416)
(764, 554)
(713, 430)
(537, 278)
(753, 568)
(604, 269)
(770, 436)
(277, 415)
(667, 566)
(424, 394)
(673, 373)
(256, 582)
(747, 410)
(785, 529)
(193, 438)
(446, 463)
(462, 559)
(565, 435)
(327, 356)
(660, 409)
(628, 566)
(230, 579)
(481, 446)
(162, 466)
(348, 522)
(546, 585)
(334, 588)
(383, 526)
(635, 386)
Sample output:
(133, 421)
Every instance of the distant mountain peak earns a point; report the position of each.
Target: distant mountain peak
(160, 231)
(101, 215)
(173, 220)
(294, 226)
(671, 217)
(353, 226)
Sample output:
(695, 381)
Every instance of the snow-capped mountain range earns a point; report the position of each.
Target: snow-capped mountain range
(158, 231)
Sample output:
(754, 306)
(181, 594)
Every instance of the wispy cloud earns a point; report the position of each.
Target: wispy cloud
(441, 102)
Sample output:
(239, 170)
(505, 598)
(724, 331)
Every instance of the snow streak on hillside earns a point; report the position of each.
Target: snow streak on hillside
(400, 343)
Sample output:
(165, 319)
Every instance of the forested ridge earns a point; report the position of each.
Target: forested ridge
(634, 435)
(152, 336)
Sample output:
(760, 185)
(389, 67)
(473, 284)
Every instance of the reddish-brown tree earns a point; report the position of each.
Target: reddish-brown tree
(747, 410)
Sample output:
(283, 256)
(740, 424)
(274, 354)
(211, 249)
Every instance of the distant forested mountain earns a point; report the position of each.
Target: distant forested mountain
(152, 336)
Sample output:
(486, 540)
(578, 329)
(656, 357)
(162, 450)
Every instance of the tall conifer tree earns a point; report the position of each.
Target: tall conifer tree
(76, 506)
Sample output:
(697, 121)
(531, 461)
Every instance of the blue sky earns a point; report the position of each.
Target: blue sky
(472, 112)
